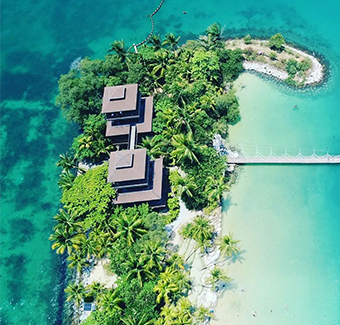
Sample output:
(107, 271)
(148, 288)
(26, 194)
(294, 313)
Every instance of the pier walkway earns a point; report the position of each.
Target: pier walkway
(237, 155)
(284, 159)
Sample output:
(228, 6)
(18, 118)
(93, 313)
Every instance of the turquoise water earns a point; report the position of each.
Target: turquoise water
(39, 42)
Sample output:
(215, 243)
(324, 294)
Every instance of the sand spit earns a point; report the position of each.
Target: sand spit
(314, 76)
(260, 61)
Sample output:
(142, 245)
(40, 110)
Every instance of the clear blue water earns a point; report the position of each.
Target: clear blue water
(40, 39)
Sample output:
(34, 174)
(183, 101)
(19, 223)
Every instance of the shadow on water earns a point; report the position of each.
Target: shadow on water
(236, 257)
(227, 203)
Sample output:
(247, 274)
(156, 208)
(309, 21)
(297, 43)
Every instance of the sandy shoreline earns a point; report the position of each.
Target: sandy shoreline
(201, 266)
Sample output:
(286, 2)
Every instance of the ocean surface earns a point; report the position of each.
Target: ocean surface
(288, 217)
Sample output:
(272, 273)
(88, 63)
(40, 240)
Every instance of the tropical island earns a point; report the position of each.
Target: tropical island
(136, 245)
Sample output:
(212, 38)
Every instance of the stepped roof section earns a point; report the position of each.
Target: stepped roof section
(121, 98)
(136, 178)
(123, 107)
(127, 165)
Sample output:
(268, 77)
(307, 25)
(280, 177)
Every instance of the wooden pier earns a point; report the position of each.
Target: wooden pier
(284, 159)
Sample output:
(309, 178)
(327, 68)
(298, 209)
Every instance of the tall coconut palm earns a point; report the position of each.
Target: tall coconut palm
(172, 282)
(154, 147)
(68, 222)
(110, 301)
(119, 48)
(103, 148)
(215, 188)
(75, 292)
(217, 275)
(185, 148)
(88, 248)
(64, 241)
(176, 261)
(67, 162)
(137, 270)
(162, 63)
(78, 261)
(227, 245)
(130, 228)
(202, 229)
(155, 42)
(184, 185)
(214, 31)
(85, 142)
(171, 41)
(102, 241)
(152, 255)
(66, 180)
(95, 289)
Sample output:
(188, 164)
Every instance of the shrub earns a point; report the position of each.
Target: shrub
(272, 55)
(276, 42)
(247, 39)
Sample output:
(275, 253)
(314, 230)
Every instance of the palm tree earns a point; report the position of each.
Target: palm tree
(176, 261)
(216, 276)
(129, 227)
(137, 270)
(68, 222)
(162, 63)
(152, 255)
(109, 301)
(185, 148)
(64, 241)
(171, 41)
(89, 247)
(155, 41)
(202, 314)
(102, 148)
(75, 292)
(101, 242)
(202, 229)
(66, 180)
(155, 149)
(227, 245)
(67, 162)
(214, 32)
(85, 142)
(182, 185)
(96, 289)
(78, 261)
(171, 282)
(215, 188)
(119, 48)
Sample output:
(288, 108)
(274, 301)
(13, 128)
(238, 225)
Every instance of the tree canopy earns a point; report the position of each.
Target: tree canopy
(276, 42)
(90, 195)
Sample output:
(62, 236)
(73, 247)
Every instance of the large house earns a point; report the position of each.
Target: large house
(136, 177)
(125, 108)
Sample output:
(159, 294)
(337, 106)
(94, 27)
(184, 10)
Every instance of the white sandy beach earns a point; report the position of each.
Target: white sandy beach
(201, 294)
(99, 274)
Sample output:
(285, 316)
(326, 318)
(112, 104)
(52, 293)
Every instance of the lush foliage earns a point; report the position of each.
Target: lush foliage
(90, 195)
(191, 105)
(276, 42)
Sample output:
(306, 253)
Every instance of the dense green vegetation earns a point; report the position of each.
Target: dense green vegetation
(276, 42)
(191, 105)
